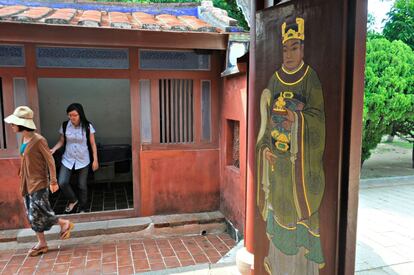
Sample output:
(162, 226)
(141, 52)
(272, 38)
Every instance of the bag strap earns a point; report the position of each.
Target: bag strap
(64, 126)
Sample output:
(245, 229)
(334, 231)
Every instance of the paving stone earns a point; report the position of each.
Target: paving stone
(385, 226)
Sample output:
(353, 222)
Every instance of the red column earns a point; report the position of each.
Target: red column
(250, 195)
(251, 138)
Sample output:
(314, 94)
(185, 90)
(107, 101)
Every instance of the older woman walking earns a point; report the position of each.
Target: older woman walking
(37, 174)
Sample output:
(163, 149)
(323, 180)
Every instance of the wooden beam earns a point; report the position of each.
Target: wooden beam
(84, 36)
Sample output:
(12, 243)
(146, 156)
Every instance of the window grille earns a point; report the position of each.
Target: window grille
(12, 56)
(3, 144)
(233, 143)
(173, 60)
(236, 144)
(176, 111)
(88, 58)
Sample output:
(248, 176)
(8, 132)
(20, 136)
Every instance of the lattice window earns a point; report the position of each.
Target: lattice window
(3, 144)
(92, 58)
(12, 56)
(173, 60)
(176, 111)
(233, 143)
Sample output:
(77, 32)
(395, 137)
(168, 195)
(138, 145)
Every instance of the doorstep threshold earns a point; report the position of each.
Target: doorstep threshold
(159, 225)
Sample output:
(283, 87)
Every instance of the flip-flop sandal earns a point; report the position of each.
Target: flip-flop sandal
(36, 251)
(69, 209)
(66, 234)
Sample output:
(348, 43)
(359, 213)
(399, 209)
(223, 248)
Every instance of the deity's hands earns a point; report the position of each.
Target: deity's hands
(290, 116)
(270, 156)
(287, 125)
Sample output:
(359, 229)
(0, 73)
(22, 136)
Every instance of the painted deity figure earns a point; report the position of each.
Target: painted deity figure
(289, 152)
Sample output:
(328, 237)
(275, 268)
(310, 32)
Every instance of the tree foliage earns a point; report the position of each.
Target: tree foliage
(233, 11)
(370, 22)
(400, 22)
(389, 90)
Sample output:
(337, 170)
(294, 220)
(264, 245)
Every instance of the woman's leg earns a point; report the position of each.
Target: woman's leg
(41, 218)
(83, 187)
(64, 184)
(31, 216)
(64, 224)
(40, 247)
(42, 240)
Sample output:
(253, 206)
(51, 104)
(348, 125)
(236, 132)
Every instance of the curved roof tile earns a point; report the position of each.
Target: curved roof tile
(208, 19)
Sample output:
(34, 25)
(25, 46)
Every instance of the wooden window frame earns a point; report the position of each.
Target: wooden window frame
(11, 150)
(197, 78)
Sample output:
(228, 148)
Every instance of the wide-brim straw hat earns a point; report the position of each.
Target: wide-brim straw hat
(22, 116)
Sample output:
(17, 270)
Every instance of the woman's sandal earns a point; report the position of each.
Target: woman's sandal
(66, 234)
(36, 251)
(70, 209)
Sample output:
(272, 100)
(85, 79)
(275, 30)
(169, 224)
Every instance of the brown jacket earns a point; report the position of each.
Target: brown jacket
(36, 166)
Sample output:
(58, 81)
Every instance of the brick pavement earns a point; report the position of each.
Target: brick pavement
(127, 256)
(385, 237)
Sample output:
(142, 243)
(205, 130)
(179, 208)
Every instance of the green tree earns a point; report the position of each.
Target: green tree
(370, 22)
(371, 32)
(233, 11)
(389, 90)
(400, 22)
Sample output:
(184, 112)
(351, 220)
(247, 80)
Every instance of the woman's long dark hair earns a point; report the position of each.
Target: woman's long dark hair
(78, 108)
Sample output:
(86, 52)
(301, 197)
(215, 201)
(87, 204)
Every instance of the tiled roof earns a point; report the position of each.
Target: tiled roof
(183, 18)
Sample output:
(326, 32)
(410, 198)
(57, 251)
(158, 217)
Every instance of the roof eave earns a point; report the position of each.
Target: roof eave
(16, 32)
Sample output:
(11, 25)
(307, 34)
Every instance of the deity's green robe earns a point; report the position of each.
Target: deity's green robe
(290, 190)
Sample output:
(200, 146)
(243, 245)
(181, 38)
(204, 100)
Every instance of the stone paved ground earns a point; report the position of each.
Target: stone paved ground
(127, 256)
(385, 238)
(388, 160)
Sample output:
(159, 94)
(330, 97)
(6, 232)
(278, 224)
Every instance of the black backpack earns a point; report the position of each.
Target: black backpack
(88, 141)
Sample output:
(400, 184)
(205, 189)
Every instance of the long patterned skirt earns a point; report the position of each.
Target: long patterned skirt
(38, 210)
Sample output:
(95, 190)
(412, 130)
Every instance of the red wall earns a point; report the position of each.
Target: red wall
(179, 181)
(233, 180)
(12, 211)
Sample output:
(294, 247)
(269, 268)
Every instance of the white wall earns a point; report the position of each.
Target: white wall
(106, 103)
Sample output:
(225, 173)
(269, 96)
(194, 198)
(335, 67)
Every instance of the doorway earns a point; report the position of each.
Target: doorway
(107, 106)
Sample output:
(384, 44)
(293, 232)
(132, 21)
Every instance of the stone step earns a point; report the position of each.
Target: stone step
(153, 226)
(199, 269)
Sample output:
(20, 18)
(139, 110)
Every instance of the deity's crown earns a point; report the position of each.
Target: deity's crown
(294, 31)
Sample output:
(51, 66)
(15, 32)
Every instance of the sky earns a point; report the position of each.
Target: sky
(379, 9)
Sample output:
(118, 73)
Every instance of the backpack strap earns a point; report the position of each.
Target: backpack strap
(64, 126)
(88, 142)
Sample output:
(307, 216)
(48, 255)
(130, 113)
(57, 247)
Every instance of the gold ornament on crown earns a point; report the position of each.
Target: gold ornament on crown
(292, 34)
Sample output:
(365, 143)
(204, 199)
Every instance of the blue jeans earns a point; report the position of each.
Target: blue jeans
(66, 188)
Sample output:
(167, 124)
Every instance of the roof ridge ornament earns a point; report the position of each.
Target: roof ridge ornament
(217, 17)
